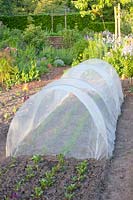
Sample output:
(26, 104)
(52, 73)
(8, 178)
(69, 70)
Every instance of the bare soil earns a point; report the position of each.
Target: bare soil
(118, 184)
(104, 180)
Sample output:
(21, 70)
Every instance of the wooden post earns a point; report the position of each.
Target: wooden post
(52, 21)
(115, 15)
(65, 19)
(119, 24)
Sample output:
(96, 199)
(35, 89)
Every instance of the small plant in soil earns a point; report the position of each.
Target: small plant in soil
(61, 160)
(36, 158)
(19, 184)
(38, 192)
(49, 178)
(30, 172)
(81, 170)
(69, 196)
(71, 187)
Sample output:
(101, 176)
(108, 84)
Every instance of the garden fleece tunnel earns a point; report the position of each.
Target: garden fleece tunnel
(75, 115)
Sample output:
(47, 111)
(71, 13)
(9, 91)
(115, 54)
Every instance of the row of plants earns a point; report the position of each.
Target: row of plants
(48, 179)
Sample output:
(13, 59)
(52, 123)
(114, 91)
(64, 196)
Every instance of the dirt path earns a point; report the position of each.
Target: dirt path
(119, 180)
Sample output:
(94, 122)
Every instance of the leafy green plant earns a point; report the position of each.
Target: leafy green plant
(95, 49)
(7, 71)
(69, 196)
(19, 184)
(38, 192)
(114, 57)
(36, 158)
(34, 35)
(64, 54)
(30, 172)
(128, 66)
(61, 159)
(58, 63)
(70, 37)
(82, 169)
(71, 187)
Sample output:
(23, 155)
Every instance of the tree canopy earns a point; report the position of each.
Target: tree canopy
(96, 7)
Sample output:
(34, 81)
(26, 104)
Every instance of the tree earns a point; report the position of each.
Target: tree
(96, 7)
(12, 7)
(49, 5)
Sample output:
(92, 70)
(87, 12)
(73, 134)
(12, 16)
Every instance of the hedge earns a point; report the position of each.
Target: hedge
(20, 22)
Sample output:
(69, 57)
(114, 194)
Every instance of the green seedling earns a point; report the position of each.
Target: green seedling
(49, 178)
(74, 178)
(19, 184)
(38, 192)
(69, 196)
(55, 169)
(43, 183)
(36, 159)
(70, 188)
(30, 172)
(61, 160)
(82, 168)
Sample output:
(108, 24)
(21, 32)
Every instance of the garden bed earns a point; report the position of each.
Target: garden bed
(22, 178)
(33, 177)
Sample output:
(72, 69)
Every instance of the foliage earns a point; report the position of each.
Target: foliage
(7, 70)
(43, 20)
(127, 21)
(95, 49)
(59, 63)
(64, 54)
(96, 8)
(81, 171)
(70, 37)
(35, 36)
(49, 6)
(16, 7)
(121, 60)
(79, 47)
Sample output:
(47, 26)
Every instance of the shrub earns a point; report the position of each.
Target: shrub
(35, 36)
(59, 63)
(64, 54)
(7, 71)
(114, 58)
(70, 37)
(95, 49)
(122, 63)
